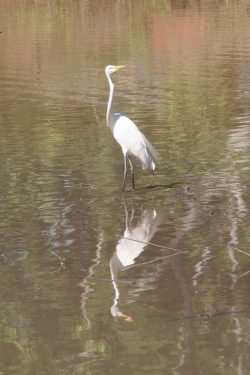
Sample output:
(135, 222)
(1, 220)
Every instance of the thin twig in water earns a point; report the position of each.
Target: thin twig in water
(241, 251)
(109, 280)
(152, 244)
(61, 261)
(152, 261)
(204, 315)
(244, 274)
(132, 266)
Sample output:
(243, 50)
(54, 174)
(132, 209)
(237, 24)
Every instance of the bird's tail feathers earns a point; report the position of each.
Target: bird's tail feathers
(150, 156)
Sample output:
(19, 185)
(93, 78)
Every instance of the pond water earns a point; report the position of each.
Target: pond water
(91, 282)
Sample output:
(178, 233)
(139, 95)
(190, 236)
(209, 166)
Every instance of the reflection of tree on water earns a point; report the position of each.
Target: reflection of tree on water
(130, 247)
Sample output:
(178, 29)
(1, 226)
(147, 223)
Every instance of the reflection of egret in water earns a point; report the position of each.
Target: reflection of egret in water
(128, 248)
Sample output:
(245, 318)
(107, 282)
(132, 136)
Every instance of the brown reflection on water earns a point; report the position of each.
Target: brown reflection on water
(76, 297)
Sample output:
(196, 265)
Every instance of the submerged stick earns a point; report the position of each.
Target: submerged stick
(61, 261)
(244, 274)
(132, 266)
(152, 244)
(241, 251)
(152, 261)
(109, 280)
(205, 315)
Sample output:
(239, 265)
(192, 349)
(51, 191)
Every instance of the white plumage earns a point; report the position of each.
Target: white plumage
(126, 133)
(133, 142)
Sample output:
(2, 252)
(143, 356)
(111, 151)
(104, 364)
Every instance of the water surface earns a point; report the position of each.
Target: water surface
(84, 289)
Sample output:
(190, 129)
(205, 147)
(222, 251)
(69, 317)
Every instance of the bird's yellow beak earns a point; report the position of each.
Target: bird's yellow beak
(117, 67)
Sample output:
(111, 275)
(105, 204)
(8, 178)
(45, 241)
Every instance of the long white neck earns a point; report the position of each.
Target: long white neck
(111, 94)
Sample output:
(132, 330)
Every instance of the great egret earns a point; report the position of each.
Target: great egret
(126, 133)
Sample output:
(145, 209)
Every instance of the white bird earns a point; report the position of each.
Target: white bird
(126, 133)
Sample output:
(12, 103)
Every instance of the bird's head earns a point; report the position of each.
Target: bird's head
(110, 69)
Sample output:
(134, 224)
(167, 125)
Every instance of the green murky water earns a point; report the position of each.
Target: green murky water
(81, 291)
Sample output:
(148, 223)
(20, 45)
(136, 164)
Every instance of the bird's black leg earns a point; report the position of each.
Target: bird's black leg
(132, 173)
(125, 172)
